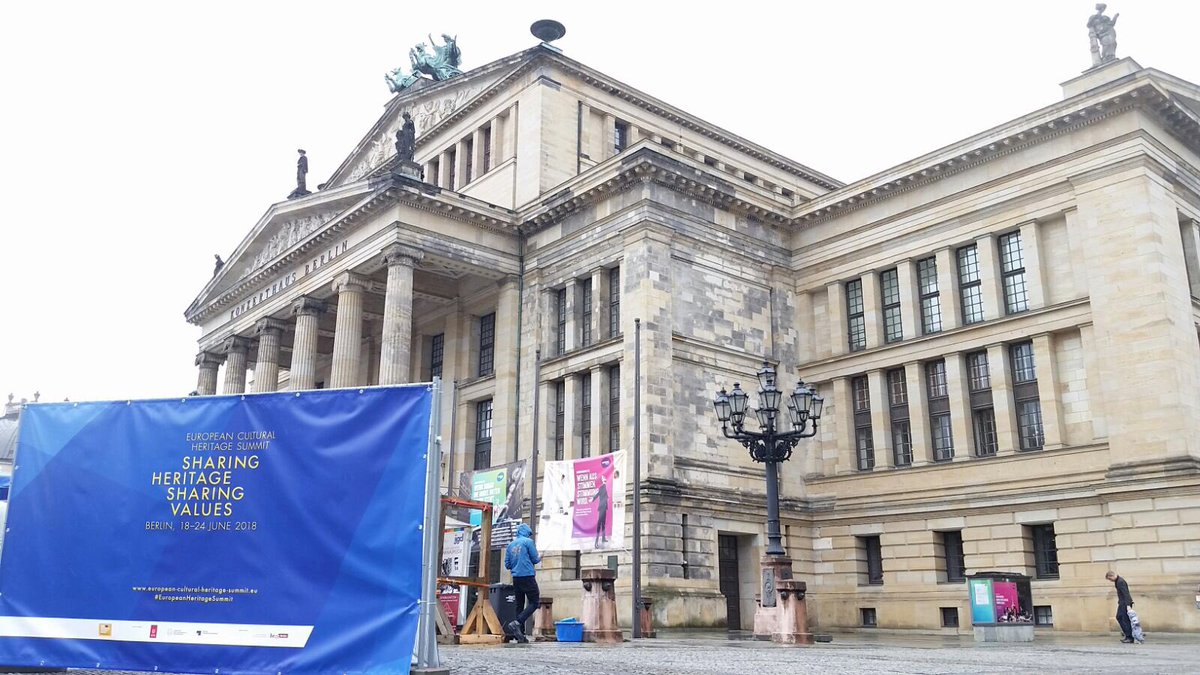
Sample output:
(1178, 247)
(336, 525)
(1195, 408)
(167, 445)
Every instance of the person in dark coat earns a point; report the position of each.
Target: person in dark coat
(601, 501)
(1124, 602)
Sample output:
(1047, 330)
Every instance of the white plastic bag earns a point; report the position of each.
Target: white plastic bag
(1135, 626)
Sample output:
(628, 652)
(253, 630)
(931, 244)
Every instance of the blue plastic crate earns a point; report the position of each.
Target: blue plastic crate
(569, 630)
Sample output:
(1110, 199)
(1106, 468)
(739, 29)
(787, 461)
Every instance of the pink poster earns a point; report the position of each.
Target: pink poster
(594, 478)
(1006, 600)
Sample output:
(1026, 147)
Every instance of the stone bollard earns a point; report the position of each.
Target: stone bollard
(646, 615)
(600, 606)
(775, 568)
(543, 621)
(793, 614)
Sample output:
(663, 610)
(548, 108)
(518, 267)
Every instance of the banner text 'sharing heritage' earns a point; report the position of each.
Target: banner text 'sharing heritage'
(277, 533)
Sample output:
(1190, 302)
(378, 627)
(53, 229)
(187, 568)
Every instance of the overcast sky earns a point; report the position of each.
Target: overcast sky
(140, 138)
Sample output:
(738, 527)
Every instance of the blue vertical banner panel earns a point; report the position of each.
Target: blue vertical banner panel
(272, 533)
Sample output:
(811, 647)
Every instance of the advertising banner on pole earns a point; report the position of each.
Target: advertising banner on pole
(584, 504)
(259, 534)
(501, 486)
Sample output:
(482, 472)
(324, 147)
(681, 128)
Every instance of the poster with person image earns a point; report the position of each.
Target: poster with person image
(501, 486)
(584, 504)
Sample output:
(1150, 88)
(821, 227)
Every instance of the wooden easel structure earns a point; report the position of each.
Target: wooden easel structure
(482, 625)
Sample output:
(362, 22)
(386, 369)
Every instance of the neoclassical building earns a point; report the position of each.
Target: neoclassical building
(1005, 331)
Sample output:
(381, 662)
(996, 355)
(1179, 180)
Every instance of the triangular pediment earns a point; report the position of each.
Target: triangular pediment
(282, 229)
(431, 104)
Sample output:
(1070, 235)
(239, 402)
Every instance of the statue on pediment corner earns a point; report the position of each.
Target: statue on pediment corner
(219, 264)
(406, 139)
(1102, 34)
(301, 176)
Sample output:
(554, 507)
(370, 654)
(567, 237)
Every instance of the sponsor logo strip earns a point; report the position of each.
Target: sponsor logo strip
(232, 634)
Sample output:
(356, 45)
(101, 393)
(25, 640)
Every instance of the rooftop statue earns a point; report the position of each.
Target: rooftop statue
(1102, 34)
(442, 64)
(406, 139)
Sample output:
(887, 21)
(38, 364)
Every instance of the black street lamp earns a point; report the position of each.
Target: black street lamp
(770, 444)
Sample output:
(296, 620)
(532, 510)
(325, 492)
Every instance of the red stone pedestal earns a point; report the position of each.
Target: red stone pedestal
(775, 568)
(543, 621)
(646, 616)
(600, 606)
(793, 614)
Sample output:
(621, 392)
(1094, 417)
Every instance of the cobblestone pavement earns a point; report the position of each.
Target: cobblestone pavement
(846, 654)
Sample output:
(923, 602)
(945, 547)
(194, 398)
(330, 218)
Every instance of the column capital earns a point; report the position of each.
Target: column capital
(401, 254)
(268, 325)
(350, 281)
(307, 305)
(207, 358)
(235, 344)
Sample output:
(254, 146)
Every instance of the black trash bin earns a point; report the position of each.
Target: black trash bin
(506, 603)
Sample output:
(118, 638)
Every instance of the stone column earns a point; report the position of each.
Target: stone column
(991, 285)
(478, 145)
(599, 412)
(918, 413)
(347, 336)
(497, 140)
(1002, 401)
(600, 606)
(958, 388)
(1047, 377)
(599, 305)
(571, 421)
(445, 169)
(307, 311)
(572, 296)
(208, 362)
(910, 299)
(837, 319)
(947, 278)
(396, 349)
(881, 427)
(504, 420)
(1031, 253)
(266, 370)
(843, 426)
(805, 340)
(872, 309)
(608, 135)
(235, 349)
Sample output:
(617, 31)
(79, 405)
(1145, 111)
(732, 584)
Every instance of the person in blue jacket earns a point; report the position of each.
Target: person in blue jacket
(520, 557)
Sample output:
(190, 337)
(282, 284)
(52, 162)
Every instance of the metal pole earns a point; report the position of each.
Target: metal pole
(427, 653)
(453, 422)
(774, 540)
(637, 478)
(533, 470)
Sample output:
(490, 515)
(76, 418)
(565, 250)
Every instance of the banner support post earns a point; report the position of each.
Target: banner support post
(428, 660)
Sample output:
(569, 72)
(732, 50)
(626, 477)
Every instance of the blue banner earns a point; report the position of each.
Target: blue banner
(271, 533)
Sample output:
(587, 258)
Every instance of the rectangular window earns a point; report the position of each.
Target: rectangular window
(433, 172)
(867, 614)
(585, 318)
(949, 617)
(585, 415)
(935, 379)
(897, 387)
(451, 168)
(487, 149)
(856, 323)
(560, 334)
(614, 302)
(683, 545)
(969, 285)
(1043, 615)
(943, 439)
(483, 434)
(1012, 270)
(902, 443)
(901, 429)
(468, 161)
(614, 408)
(1030, 431)
(1045, 551)
(893, 330)
(983, 417)
(983, 422)
(560, 419)
(437, 351)
(864, 447)
(931, 307)
(487, 344)
(952, 556)
(978, 375)
(620, 136)
(872, 552)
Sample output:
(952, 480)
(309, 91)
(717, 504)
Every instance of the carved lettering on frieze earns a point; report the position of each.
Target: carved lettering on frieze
(290, 233)
(425, 116)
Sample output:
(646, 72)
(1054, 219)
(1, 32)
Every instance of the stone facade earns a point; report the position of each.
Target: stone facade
(1005, 331)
